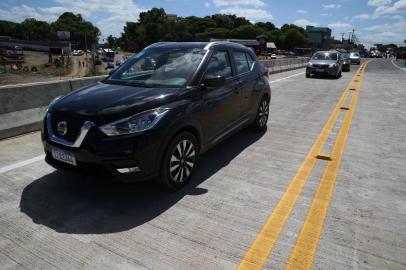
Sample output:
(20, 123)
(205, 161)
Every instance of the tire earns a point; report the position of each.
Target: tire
(179, 161)
(307, 75)
(261, 119)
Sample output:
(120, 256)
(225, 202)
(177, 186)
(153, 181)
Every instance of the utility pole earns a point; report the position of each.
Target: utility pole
(93, 59)
(85, 43)
(352, 35)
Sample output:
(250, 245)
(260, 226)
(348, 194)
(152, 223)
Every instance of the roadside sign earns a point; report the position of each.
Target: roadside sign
(63, 35)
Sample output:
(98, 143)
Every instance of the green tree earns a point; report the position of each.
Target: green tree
(32, 29)
(292, 38)
(81, 31)
(213, 33)
(266, 26)
(8, 28)
(246, 32)
(276, 37)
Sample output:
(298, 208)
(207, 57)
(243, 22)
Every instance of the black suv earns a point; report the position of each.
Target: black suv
(154, 115)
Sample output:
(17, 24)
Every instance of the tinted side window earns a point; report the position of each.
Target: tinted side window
(241, 62)
(219, 65)
(250, 60)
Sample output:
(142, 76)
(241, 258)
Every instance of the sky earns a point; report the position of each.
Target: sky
(374, 21)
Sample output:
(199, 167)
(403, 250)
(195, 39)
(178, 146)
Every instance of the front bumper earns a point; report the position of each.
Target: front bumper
(331, 71)
(355, 61)
(101, 154)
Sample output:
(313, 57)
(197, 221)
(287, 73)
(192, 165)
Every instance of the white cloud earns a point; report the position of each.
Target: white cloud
(340, 26)
(118, 12)
(382, 37)
(331, 6)
(378, 3)
(301, 11)
(363, 17)
(325, 14)
(250, 13)
(22, 12)
(384, 33)
(383, 10)
(397, 7)
(398, 17)
(206, 4)
(305, 22)
(254, 3)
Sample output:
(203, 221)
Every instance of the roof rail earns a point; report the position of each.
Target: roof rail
(219, 42)
(157, 43)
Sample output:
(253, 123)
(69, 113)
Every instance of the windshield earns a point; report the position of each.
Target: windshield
(159, 68)
(324, 56)
(346, 55)
(355, 54)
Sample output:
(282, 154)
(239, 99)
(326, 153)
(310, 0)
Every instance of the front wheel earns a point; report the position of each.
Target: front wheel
(179, 161)
(261, 119)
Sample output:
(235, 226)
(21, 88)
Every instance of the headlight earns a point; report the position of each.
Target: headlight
(134, 124)
(333, 65)
(53, 102)
(309, 64)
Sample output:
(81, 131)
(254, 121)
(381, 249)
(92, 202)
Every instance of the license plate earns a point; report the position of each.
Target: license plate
(64, 156)
(319, 70)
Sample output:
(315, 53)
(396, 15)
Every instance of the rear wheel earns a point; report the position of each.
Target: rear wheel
(179, 161)
(261, 119)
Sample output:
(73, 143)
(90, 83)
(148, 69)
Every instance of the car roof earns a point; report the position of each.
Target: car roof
(199, 45)
(328, 52)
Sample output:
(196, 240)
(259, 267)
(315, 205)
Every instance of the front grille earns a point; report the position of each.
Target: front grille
(320, 66)
(73, 126)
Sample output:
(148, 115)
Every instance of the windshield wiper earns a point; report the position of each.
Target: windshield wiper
(129, 83)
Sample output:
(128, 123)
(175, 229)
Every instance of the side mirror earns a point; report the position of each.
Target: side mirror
(215, 81)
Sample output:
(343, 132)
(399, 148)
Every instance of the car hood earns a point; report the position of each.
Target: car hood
(322, 62)
(354, 57)
(108, 100)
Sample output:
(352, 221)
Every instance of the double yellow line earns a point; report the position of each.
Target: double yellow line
(303, 253)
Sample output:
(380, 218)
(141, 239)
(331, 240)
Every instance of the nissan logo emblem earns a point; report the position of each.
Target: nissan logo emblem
(62, 128)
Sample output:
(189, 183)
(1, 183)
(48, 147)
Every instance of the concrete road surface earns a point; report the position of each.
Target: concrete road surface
(256, 201)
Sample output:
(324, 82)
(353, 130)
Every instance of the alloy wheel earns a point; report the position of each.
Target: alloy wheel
(263, 112)
(182, 161)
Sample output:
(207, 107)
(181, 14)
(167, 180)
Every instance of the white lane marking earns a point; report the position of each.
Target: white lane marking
(281, 79)
(393, 63)
(21, 163)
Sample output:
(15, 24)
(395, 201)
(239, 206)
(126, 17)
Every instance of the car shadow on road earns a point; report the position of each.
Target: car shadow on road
(78, 204)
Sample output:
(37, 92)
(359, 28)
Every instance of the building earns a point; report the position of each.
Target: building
(319, 37)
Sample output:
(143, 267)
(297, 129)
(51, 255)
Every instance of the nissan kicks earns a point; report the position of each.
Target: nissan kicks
(155, 114)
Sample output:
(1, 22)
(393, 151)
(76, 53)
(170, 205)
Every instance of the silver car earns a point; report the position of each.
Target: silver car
(325, 63)
(355, 58)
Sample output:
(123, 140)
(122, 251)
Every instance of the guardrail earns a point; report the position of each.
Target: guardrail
(279, 65)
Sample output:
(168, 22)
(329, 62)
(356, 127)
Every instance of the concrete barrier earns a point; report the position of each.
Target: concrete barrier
(284, 64)
(22, 106)
(32, 95)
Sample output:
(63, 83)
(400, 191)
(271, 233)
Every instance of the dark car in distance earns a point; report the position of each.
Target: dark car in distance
(154, 115)
(346, 62)
(328, 63)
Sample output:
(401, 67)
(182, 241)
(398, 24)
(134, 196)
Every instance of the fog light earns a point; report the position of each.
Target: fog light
(129, 170)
